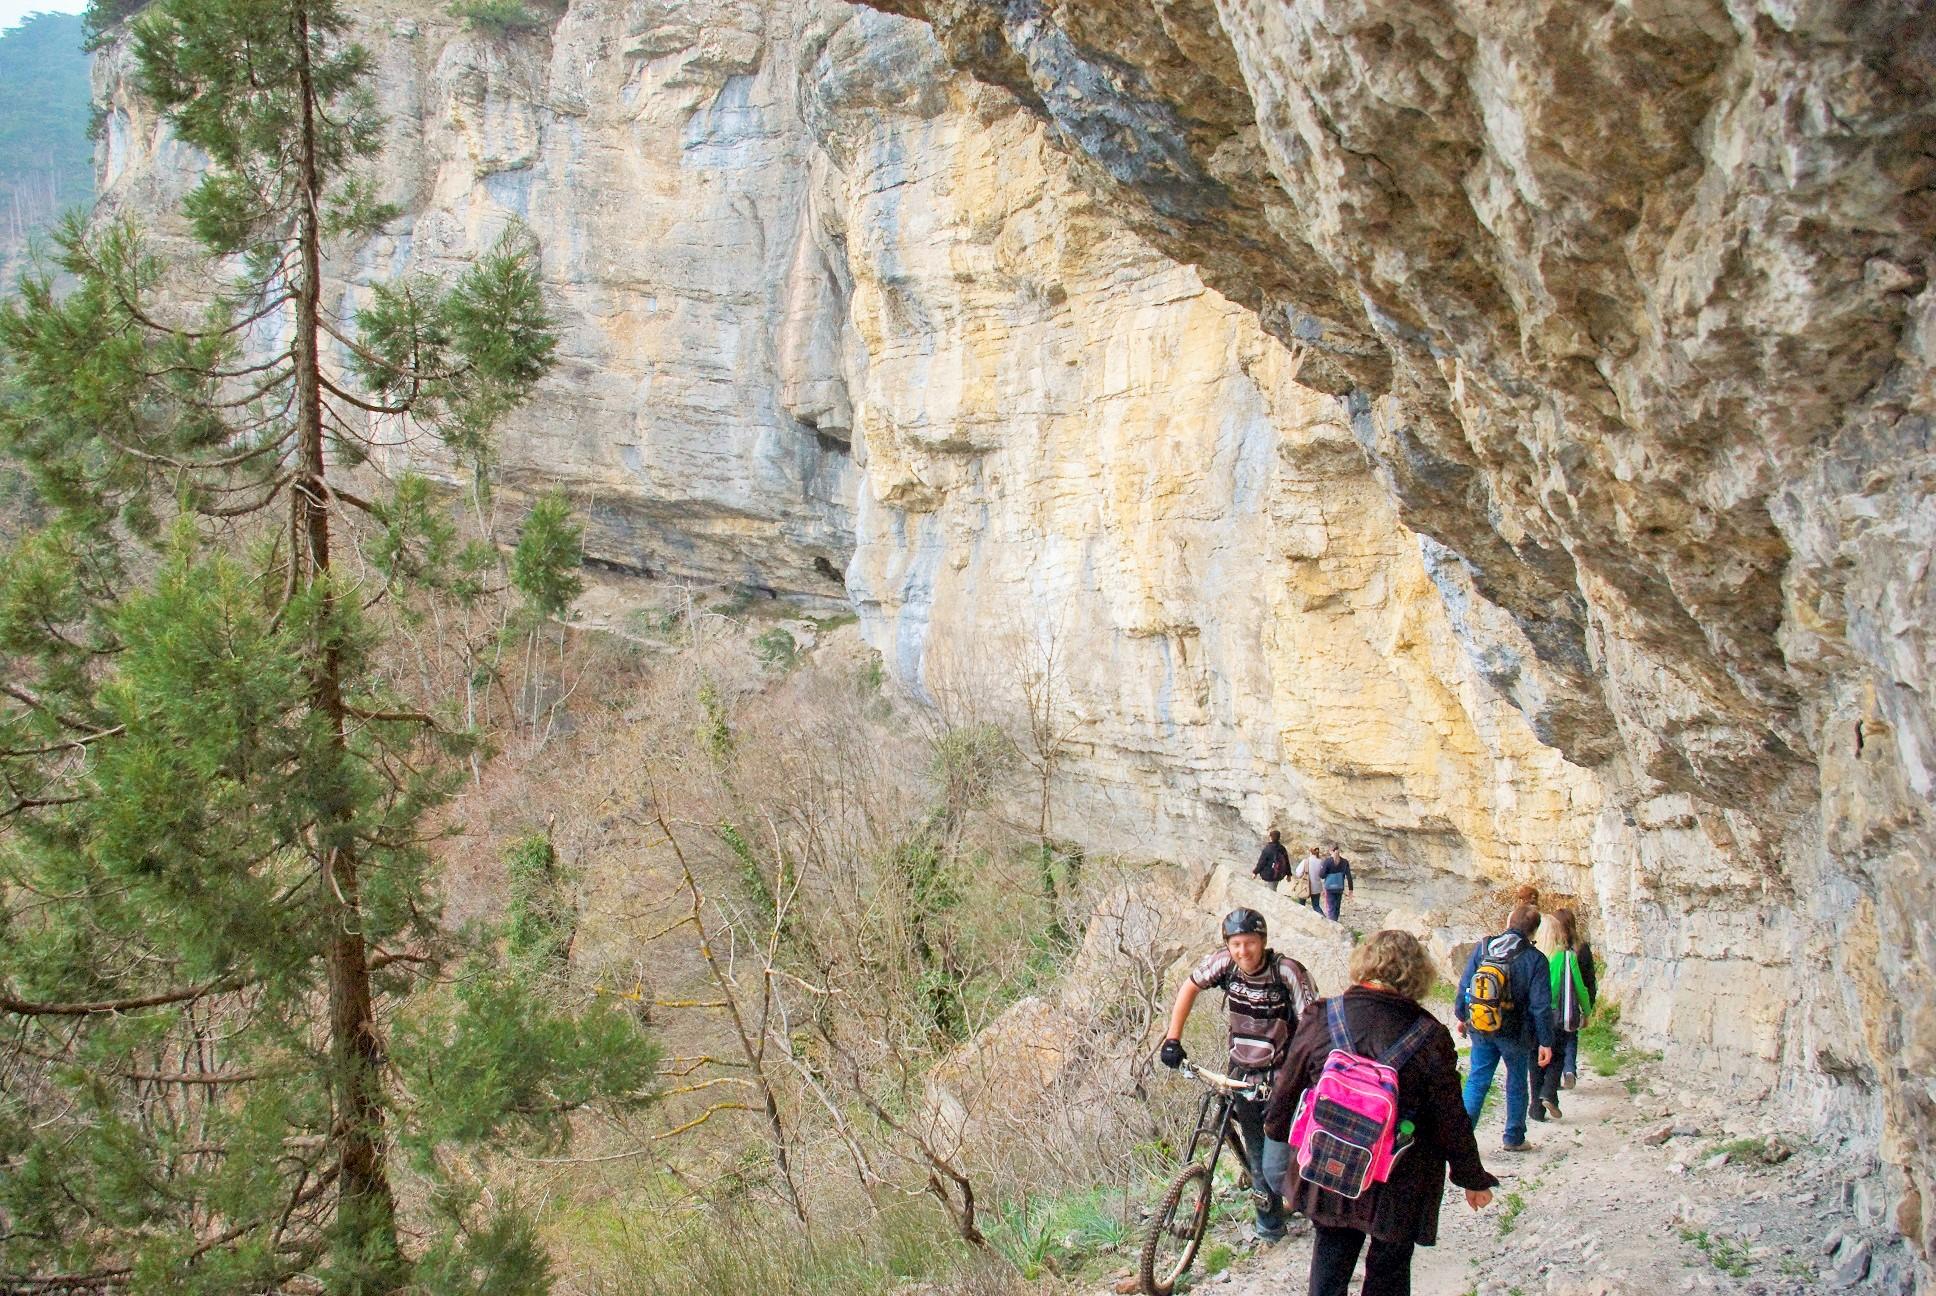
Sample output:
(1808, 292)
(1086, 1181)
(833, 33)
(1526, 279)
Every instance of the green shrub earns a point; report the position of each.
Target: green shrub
(540, 916)
(503, 17)
(777, 648)
(1061, 1235)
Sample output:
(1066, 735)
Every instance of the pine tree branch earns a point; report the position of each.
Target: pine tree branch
(416, 717)
(253, 506)
(120, 1276)
(417, 376)
(28, 698)
(67, 745)
(25, 804)
(369, 407)
(146, 321)
(89, 1008)
(163, 1077)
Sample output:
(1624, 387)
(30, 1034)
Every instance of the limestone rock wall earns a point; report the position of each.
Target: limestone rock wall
(1496, 436)
(1628, 307)
(657, 151)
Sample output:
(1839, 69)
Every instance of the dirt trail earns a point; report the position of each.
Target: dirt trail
(1628, 1194)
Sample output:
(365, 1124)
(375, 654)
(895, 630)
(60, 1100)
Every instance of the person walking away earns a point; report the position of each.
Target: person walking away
(1337, 881)
(1546, 941)
(1311, 870)
(1265, 993)
(1574, 987)
(1381, 1015)
(1504, 1005)
(1274, 862)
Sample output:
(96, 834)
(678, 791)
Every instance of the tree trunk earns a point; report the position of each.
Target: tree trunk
(366, 1206)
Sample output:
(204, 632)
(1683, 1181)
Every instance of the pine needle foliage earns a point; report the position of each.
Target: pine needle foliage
(234, 1018)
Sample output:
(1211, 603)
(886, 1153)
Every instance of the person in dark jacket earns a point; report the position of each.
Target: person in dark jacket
(1273, 862)
(1572, 963)
(1391, 972)
(1336, 873)
(1525, 1037)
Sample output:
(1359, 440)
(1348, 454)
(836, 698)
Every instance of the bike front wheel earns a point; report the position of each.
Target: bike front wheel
(1176, 1230)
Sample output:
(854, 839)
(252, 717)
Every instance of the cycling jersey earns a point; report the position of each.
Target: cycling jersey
(1264, 1005)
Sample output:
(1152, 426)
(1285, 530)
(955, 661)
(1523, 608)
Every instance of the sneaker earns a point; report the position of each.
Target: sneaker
(1552, 1109)
(1267, 1236)
(1568, 1079)
(1538, 1112)
(1515, 1147)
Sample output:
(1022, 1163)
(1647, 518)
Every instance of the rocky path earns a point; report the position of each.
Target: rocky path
(1633, 1192)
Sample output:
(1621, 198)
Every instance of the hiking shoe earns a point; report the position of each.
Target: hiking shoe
(1267, 1236)
(1515, 1147)
(1568, 1079)
(1538, 1111)
(1552, 1109)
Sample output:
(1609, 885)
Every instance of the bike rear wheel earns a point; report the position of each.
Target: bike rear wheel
(1176, 1230)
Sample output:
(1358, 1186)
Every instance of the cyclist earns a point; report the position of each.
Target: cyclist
(1264, 992)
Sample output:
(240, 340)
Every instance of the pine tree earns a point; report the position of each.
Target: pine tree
(232, 1014)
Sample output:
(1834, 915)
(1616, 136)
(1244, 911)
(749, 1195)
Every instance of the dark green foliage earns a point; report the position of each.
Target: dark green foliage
(46, 161)
(228, 995)
(540, 918)
(549, 554)
(777, 648)
(104, 17)
(495, 1065)
(504, 17)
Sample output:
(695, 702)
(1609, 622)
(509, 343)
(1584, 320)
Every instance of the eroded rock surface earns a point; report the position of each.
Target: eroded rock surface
(1628, 307)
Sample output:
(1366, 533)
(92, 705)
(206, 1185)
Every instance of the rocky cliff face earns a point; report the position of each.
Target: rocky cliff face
(1627, 308)
(1497, 438)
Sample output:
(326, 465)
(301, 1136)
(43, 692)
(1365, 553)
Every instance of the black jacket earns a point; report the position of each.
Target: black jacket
(1274, 863)
(1406, 1207)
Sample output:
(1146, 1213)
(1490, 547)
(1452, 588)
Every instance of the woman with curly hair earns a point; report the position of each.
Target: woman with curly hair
(1390, 973)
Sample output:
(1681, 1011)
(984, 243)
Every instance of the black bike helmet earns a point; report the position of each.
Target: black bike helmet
(1239, 922)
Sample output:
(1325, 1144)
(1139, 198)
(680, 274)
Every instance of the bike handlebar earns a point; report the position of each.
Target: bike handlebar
(1218, 1080)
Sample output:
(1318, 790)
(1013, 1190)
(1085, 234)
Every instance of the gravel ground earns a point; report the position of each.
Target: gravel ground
(1643, 1193)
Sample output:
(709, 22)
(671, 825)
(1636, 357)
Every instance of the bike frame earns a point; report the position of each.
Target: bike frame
(1221, 1094)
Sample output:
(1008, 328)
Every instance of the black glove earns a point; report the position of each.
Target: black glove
(1171, 1054)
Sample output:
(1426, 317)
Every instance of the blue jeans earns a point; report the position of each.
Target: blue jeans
(1249, 1118)
(1570, 1054)
(1332, 900)
(1487, 1052)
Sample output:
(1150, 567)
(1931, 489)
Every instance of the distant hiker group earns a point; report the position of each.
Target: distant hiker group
(1523, 1000)
(1322, 877)
(1366, 1112)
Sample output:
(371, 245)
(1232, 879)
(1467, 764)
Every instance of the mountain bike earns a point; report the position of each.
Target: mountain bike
(1176, 1229)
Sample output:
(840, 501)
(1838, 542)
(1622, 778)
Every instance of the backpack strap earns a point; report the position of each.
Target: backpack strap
(1409, 1043)
(1334, 1018)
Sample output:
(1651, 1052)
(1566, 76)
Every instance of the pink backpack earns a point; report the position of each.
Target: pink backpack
(1345, 1130)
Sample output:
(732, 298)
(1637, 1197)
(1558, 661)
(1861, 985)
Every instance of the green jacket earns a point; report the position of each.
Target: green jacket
(1563, 964)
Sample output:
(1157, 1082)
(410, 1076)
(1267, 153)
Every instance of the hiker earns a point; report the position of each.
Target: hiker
(1264, 993)
(1336, 872)
(1381, 1019)
(1504, 1005)
(1575, 987)
(1311, 870)
(1547, 939)
(1274, 863)
(1528, 894)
